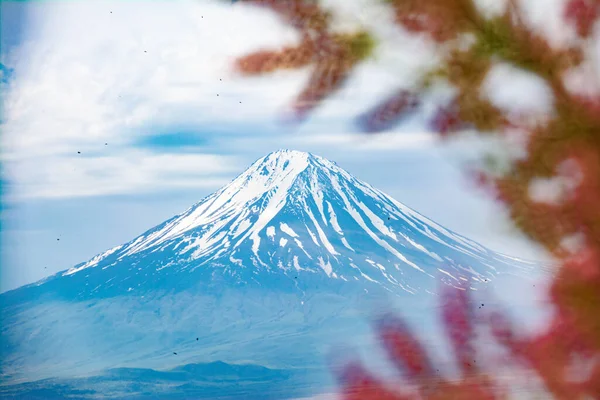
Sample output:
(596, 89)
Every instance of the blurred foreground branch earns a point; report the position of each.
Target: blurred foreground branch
(552, 191)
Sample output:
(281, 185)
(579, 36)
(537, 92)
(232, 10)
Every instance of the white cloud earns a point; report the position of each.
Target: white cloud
(108, 71)
(134, 172)
(100, 72)
(99, 68)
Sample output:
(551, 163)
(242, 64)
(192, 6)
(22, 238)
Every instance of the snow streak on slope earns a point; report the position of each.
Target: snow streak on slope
(271, 178)
(294, 211)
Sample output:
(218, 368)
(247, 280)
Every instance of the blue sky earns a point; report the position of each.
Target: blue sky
(112, 124)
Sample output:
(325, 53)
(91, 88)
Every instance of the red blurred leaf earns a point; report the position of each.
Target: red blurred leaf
(440, 20)
(358, 384)
(268, 61)
(583, 14)
(503, 331)
(447, 120)
(390, 111)
(328, 76)
(404, 349)
(457, 317)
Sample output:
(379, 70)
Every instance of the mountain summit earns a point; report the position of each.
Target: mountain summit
(289, 251)
(295, 215)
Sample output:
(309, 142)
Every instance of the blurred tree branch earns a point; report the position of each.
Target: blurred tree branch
(563, 156)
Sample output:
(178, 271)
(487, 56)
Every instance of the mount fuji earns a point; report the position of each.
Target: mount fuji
(267, 271)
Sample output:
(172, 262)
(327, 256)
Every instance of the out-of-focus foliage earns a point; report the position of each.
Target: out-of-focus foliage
(553, 193)
(332, 55)
(409, 355)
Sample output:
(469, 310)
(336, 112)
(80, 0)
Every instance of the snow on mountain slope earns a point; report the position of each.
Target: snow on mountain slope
(297, 214)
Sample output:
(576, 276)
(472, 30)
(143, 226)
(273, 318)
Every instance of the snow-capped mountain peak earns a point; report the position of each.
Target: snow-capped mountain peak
(296, 213)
